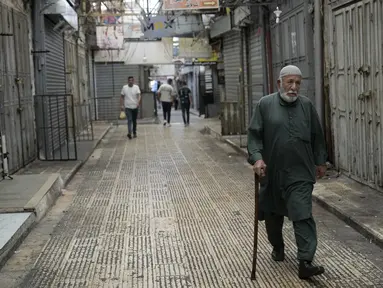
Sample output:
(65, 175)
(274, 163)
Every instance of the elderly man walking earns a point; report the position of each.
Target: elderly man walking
(287, 149)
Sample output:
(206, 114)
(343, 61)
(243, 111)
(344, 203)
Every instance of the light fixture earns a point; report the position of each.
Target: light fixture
(144, 59)
(277, 13)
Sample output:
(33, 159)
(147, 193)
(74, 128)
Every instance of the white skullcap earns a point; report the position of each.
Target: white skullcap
(289, 70)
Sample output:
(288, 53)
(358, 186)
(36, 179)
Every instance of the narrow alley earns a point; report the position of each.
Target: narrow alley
(173, 208)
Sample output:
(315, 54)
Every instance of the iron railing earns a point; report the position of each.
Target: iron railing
(60, 124)
(106, 109)
(83, 121)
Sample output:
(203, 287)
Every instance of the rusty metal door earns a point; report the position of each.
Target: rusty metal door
(17, 118)
(356, 89)
(292, 43)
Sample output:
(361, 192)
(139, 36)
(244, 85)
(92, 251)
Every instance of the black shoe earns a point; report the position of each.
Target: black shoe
(134, 135)
(307, 270)
(278, 254)
(129, 136)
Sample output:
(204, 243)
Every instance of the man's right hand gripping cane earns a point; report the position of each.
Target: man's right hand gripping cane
(260, 168)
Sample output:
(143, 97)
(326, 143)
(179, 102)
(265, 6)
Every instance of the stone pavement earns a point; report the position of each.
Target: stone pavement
(174, 208)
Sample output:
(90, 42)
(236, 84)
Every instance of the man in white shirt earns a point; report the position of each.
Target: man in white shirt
(130, 100)
(166, 96)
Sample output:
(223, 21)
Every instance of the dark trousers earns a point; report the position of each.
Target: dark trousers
(131, 116)
(305, 235)
(167, 109)
(155, 103)
(186, 109)
(175, 104)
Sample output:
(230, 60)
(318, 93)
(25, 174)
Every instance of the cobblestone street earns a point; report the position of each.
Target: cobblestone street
(174, 208)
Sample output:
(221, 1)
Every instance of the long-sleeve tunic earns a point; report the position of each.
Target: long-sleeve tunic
(288, 137)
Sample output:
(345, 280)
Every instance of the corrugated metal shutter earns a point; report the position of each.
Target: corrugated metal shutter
(208, 80)
(292, 43)
(56, 106)
(110, 78)
(217, 94)
(256, 66)
(232, 59)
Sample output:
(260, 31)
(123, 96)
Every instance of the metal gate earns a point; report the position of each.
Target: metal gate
(17, 118)
(292, 43)
(110, 77)
(61, 119)
(356, 89)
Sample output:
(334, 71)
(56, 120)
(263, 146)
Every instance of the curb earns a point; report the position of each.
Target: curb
(9, 248)
(195, 113)
(227, 141)
(44, 204)
(349, 220)
(78, 166)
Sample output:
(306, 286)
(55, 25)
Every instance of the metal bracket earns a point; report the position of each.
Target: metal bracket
(6, 34)
(364, 69)
(365, 95)
(40, 52)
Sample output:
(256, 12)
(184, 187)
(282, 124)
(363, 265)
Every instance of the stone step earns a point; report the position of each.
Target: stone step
(24, 201)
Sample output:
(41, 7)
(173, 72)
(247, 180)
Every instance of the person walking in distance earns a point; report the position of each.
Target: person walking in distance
(185, 101)
(166, 96)
(130, 100)
(287, 149)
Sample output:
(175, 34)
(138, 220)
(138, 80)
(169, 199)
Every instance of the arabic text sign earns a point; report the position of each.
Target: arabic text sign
(190, 4)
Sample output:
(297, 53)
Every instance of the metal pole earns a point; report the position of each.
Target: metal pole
(114, 94)
(264, 24)
(318, 56)
(94, 87)
(39, 73)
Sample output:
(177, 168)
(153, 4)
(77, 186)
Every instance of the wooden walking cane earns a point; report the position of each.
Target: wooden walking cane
(255, 247)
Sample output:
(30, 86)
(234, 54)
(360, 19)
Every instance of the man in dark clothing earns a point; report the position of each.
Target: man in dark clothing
(185, 100)
(287, 149)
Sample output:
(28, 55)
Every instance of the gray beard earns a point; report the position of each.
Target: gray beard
(286, 97)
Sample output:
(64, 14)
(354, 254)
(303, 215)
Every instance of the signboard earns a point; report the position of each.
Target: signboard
(190, 4)
(132, 31)
(194, 48)
(134, 53)
(159, 26)
(110, 37)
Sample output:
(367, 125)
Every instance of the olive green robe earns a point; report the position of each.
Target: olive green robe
(289, 139)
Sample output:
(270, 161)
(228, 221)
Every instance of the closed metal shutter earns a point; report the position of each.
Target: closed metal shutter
(56, 103)
(256, 66)
(216, 91)
(208, 80)
(110, 78)
(292, 43)
(232, 59)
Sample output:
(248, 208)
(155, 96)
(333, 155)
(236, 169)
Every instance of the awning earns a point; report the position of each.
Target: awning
(62, 8)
